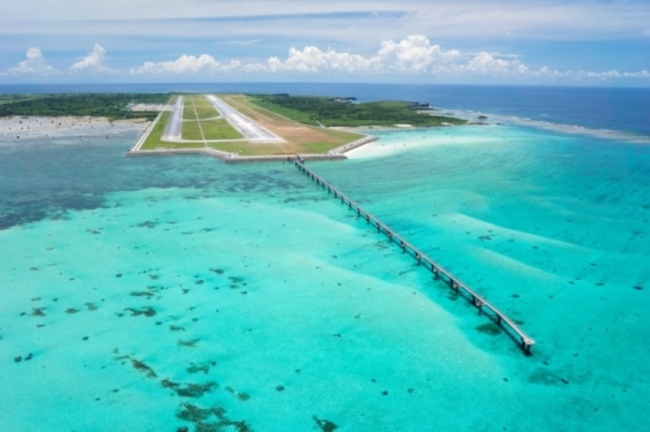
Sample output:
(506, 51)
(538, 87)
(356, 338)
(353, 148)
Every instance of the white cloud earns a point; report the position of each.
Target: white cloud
(186, 64)
(486, 63)
(34, 64)
(312, 59)
(93, 61)
(411, 56)
(414, 55)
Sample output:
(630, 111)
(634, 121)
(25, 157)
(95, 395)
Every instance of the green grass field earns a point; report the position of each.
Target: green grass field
(153, 141)
(197, 107)
(219, 129)
(191, 130)
(188, 108)
(341, 137)
(295, 115)
(188, 111)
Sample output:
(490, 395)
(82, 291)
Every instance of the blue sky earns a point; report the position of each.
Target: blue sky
(492, 41)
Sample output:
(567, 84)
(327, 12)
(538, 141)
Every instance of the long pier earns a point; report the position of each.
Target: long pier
(439, 272)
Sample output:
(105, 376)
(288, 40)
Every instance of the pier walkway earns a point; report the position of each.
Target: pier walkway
(438, 271)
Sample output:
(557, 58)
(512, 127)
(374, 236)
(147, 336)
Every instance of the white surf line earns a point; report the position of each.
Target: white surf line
(250, 129)
(173, 129)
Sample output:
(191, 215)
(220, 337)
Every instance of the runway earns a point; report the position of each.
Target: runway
(251, 130)
(173, 129)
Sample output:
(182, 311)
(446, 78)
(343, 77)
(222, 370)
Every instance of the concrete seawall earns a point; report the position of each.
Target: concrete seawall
(231, 158)
(332, 155)
(354, 144)
(285, 158)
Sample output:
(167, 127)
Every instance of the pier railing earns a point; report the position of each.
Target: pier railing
(439, 272)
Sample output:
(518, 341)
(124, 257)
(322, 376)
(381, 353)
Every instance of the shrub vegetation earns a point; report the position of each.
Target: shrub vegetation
(113, 106)
(343, 112)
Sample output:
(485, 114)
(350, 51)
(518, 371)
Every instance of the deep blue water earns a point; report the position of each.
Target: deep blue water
(621, 109)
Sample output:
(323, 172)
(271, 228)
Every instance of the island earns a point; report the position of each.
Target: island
(238, 127)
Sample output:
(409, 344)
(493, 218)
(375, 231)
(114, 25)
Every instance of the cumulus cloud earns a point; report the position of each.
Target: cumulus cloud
(186, 64)
(414, 55)
(313, 59)
(34, 64)
(93, 61)
(486, 63)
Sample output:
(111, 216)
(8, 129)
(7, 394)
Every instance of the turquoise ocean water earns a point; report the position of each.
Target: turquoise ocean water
(153, 293)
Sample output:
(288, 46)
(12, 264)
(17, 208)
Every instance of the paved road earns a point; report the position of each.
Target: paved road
(173, 129)
(250, 129)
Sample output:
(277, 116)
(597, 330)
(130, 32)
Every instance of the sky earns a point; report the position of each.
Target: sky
(544, 42)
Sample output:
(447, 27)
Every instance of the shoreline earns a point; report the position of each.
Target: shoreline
(27, 127)
(17, 128)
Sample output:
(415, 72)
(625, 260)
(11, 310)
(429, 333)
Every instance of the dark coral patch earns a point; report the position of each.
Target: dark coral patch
(489, 328)
(146, 311)
(325, 425)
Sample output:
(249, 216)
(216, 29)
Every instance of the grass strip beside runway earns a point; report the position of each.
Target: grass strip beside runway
(219, 129)
(197, 107)
(153, 141)
(192, 131)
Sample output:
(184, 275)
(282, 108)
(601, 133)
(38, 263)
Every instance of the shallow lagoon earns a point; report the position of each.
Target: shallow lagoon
(153, 293)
